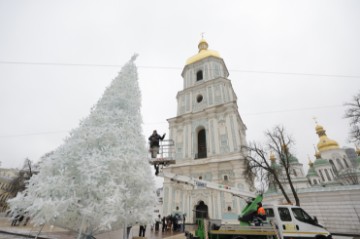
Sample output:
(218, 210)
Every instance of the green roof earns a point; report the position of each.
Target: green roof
(320, 161)
(311, 172)
(293, 159)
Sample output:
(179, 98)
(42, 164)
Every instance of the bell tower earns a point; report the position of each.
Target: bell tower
(208, 133)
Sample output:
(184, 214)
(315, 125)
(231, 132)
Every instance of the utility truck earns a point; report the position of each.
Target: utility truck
(282, 221)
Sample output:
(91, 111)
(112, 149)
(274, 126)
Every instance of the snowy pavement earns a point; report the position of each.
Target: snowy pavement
(53, 232)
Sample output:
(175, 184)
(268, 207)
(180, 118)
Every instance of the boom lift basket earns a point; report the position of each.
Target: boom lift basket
(165, 153)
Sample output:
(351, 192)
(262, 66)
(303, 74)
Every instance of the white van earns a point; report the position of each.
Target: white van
(293, 222)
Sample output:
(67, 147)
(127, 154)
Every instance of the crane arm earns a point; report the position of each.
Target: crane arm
(198, 183)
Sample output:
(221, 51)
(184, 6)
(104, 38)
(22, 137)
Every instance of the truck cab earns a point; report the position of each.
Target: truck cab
(293, 222)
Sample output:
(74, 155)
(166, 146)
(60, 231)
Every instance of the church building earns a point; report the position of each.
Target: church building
(333, 165)
(208, 133)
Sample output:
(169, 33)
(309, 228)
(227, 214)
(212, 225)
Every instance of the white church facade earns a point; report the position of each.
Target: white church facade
(208, 133)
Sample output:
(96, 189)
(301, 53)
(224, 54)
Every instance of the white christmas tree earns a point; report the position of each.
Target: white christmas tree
(99, 179)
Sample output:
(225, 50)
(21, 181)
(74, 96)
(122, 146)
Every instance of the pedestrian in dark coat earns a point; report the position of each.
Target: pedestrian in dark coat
(163, 224)
(142, 231)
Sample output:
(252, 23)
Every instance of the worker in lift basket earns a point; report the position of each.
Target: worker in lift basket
(260, 215)
(154, 147)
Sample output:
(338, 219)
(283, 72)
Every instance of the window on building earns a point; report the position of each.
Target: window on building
(339, 164)
(295, 174)
(199, 98)
(327, 175)
(333, 166)
(332, 173)
(202, 151)
(346, 164)
(226, 178)
(315, 182)
(322, 176)
(199, 75)
(229, 209)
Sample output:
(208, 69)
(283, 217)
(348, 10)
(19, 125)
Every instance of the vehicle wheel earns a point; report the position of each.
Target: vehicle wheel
(238, 237)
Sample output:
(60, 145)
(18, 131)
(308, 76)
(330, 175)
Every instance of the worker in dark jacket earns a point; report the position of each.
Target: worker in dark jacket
(154, 141)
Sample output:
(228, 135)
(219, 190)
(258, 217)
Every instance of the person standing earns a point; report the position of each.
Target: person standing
(163, 221)
(142, 230)
(260, 214)
(157, 223)
(154, 140)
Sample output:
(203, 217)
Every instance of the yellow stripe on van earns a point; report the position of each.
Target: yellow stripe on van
(243, 232)
(297, 232)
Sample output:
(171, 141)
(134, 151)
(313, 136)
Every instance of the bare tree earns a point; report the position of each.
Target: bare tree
(353, 113)
(258, 161)
(18, 184)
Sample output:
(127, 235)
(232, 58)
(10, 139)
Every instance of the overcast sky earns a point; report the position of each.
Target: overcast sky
(288, 62)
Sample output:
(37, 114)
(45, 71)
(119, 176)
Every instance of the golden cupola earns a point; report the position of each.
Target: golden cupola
(324, 142)
(204, 52)
(272, 157)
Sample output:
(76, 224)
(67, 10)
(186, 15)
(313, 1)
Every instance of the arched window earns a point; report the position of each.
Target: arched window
(199, 75)
(201, 140)
(346, 164)
(322, 176)
(340, 164)
(333, 166)
(327, 175)
(229, 209)
(332, 173)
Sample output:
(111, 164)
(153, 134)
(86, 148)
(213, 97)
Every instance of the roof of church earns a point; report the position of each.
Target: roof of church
(204, 52)
(324, 142)
(274, 164)
(320, 161)
(311, 171)
(293, 159)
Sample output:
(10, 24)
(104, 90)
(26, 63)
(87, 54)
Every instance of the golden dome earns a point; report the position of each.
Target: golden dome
(319, 129)
(204, 52)
(272, 157)
(324, 142)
